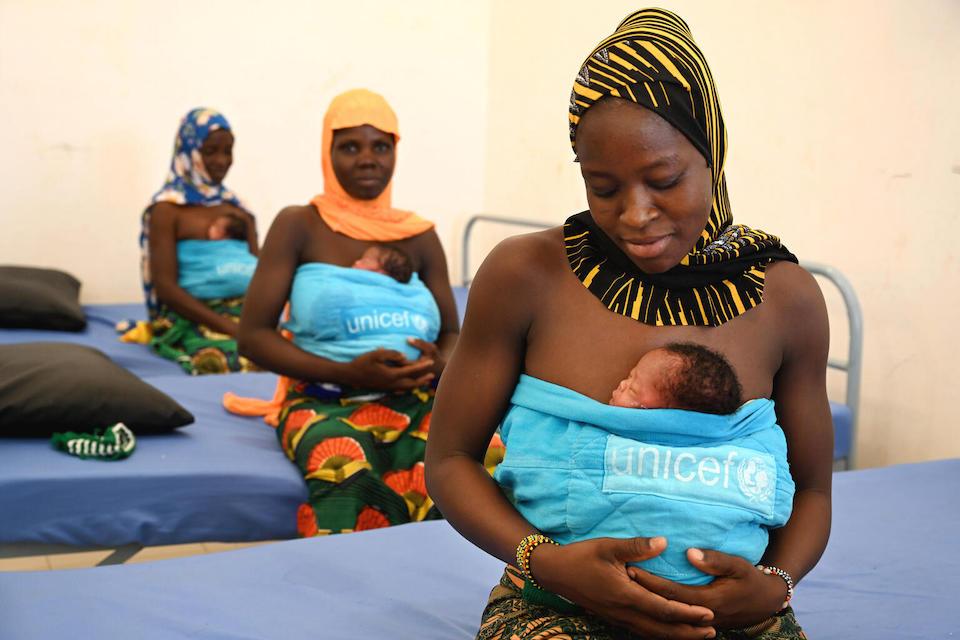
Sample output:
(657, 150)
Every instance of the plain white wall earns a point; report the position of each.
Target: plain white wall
(844, 140)
(91, 94)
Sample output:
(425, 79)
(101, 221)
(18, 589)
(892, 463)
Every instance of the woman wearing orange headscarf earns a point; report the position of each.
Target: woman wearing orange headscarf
(356, 427)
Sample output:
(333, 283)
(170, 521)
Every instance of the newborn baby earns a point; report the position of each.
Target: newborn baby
(387, 260)
(681, 376)
(229, 226)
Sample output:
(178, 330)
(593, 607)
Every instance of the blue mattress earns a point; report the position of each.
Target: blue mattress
(888, 574)
(460, 298)
(222, 478)
(100, 334)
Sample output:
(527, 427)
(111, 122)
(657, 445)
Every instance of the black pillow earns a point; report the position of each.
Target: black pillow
(32, 298)
(47, 387)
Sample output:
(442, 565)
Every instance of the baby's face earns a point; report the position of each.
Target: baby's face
(640, 389)
(218, 230)
(371, 260)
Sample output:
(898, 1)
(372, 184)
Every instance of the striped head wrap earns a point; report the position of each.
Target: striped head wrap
(652, 60)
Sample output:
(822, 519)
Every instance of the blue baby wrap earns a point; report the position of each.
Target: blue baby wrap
(340, 313)
(211, 269)
(578, 469)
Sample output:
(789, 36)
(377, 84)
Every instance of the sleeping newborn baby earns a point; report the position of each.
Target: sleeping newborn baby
(698, 467)
(214, 260)
(370, 311)
(228, 226)
(387, 260)
(681, 376)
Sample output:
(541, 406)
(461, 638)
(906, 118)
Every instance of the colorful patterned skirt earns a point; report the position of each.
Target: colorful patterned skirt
(197, 349)
(510, 616)
(361, 455)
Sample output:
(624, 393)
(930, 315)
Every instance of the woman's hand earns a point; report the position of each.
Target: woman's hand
(227, 327)
(740, 595)
(388, 370)
(429, 351)
(594, 575)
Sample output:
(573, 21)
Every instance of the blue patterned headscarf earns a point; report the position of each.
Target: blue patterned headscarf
(188, 183)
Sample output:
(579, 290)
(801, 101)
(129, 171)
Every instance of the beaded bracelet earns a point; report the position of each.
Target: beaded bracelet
(777, 571)
(525, 548)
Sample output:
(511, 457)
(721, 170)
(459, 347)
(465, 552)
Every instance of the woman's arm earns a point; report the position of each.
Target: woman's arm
(473, 396)
(741, 595)
(471, 400)
(433, 272)
(164, 271)
(269, 290)
(803, 411)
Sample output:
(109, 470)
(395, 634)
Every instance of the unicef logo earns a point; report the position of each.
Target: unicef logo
(419, 323)
(756, 479)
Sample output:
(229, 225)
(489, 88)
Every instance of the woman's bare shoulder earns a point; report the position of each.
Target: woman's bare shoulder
(529, 257)
(297, 216)
(791, 286)
(301, 211)
(799, 306)
(165, 209)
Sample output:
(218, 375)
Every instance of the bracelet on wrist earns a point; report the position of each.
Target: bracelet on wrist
(525, 548)
(783, 575)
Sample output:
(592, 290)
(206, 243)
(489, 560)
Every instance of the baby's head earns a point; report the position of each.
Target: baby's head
(681, 376)
(387, 260)
(228, 226)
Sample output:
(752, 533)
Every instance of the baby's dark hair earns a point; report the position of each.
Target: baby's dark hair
(704, 381)
(236, 227)
(397, 263)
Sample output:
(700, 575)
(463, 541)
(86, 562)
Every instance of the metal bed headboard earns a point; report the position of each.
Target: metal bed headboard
(852, 365)
(465, 273)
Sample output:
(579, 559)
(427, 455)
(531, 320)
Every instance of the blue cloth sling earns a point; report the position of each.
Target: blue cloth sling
(340, 313)
(212, 269)
(578, 469)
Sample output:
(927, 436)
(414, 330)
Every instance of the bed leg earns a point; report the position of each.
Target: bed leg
(121, 554)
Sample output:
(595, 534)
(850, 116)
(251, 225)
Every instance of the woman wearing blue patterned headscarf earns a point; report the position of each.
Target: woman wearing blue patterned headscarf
(198, 333)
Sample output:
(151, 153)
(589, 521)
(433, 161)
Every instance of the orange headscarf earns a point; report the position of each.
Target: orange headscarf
(373, 220)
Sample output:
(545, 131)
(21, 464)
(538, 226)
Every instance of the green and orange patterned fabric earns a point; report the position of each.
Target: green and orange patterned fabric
(196, 348)
(361, 455)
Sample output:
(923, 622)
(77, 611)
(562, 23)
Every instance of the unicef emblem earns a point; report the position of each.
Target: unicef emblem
(756, 479)
(419, 323)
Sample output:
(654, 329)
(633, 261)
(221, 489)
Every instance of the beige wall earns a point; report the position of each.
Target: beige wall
(844, 140)
(91, 94)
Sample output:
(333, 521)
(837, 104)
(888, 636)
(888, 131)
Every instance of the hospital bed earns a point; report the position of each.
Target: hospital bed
(223, 478)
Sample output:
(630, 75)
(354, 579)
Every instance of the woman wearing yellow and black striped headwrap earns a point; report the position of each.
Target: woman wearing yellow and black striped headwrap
(652, 60)
(656, 258)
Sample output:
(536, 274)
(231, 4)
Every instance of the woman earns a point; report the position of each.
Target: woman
(354, 418)
(655, 260)
(199, 334)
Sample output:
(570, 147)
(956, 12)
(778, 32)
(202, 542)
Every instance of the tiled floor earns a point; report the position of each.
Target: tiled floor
(85, 559)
